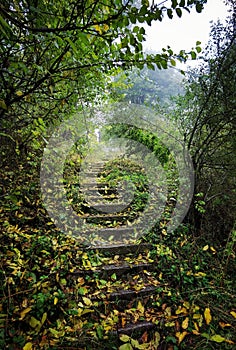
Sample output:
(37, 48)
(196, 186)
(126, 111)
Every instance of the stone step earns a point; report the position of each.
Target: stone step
(93, 184)
(130, 294)
(109, 207)
(110, 197)
(123, 249)
(93, 169)
(105, 216)
(118, 233)
(102, 190)
(139, 327)
(91, 174)
(108, 270)
(104, 219)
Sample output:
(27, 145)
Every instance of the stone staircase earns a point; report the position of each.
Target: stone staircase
(121, 285)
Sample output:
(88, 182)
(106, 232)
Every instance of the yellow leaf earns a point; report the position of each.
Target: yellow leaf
(233, 313)
(213, 250)
(207, 315)
(19, 93)
(217, 338)
(34, 322)
(55, 300)
(181, 310)
(105, 27)
(28, 346)
(200, 274)
(87, 301)
(86, 311)
(98, 29)
(125, 338)
(157, 339)
(186, 304)
(24, 312)
(206, 247)
(223, 325)
(44, 317)
(196, 326)
(140, 307)
(195, 332)
(57, 334)
(185, 323)
(181, 336)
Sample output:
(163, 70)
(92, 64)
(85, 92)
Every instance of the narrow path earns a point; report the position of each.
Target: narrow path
(122, 284)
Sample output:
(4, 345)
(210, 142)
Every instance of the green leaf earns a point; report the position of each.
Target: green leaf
(125, 338)
(72, 45)
(217, 338)
(142, 30)
(150, 66)
(126, 346)
(164, 64)
(143, 10)
(199, 7)
(179, 12)
(3, 104)
(170, 13)
(136, 29)
(193, 55)
(174, 3)
(113, 277)
(34, 322)
(5, 28)
(99, 331)
(198, 49)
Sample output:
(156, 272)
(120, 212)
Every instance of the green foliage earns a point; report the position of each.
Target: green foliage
(206, 118)
(143, 137)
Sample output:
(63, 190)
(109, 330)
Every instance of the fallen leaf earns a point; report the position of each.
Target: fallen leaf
(233, 313)
(181, 336)
(19, 93)
(168, 311)
(223, 325)
(140, 307)
(125, 338)
(24, 312)
(28, 346)
(217, 338)
(34, 322)
(87, 301)
(144, 337)
(181, 310)
(207, 315)
(157, 339)
(185, 323)
(44, 317)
